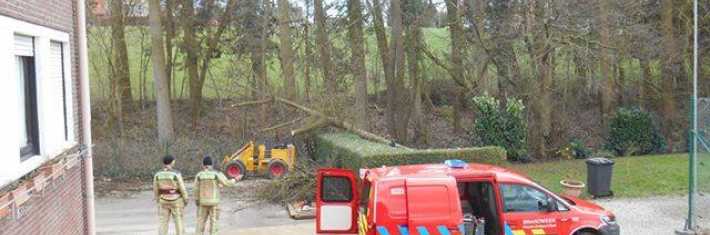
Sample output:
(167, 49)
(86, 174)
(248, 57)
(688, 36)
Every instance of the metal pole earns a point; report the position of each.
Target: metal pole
(692, 175)
(86, 116)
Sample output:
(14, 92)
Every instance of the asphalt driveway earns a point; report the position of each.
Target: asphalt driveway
(135, 213)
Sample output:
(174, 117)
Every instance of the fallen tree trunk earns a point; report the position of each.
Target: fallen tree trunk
(253, 102)
(323, 121)
(338, 123)
(282, 125)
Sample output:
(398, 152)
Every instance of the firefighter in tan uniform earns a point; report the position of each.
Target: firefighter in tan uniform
(171, 196)
(207, 184)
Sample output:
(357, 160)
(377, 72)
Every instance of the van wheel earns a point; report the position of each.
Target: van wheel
(586, 232)
(235, 169)
(277, 169)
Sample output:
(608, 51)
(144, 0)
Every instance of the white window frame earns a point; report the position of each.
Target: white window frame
(12, 167)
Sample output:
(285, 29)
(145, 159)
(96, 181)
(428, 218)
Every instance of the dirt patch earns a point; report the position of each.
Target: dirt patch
(107, 187)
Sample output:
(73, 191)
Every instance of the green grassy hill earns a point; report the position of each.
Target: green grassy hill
(230, 71)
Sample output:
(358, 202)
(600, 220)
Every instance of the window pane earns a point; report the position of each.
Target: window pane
(56, 70)
(27, 107)
(519, 198)
(22, 101)
(336, 189)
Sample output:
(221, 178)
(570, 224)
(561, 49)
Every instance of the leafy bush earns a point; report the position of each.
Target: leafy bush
(632, 132)
(501, 127)
(350, 151)
(574, 150)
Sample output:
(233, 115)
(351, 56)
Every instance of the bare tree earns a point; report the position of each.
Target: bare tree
(413, 21)
(358, 62)
(457, 47)
(286, 51)
(162, 96)
(540, 49)
(671, 71)
(191, 47)
(397, 117)
(500, 16)
(323, 42)
(168, 20)
(606, 95)
(308, 54)
(197, 58)
(392, 56)
(121, 71)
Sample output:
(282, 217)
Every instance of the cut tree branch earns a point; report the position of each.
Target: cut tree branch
(253, 102)
(320, 123)
(282, 125)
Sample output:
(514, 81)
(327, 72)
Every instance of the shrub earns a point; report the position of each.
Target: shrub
(347, 150)
(501, 127)
(632, 132)
(575, 149)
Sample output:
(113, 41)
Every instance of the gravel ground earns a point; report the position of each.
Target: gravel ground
(133, 212)
(123, 211)
(656, 215)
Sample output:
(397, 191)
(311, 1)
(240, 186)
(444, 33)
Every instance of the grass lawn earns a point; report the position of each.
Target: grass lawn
(640, 176)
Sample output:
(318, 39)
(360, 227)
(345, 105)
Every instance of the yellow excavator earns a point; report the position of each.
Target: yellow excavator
(273, 161)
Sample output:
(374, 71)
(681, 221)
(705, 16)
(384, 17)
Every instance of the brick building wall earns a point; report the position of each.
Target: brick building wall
(57, 209)
(60, 208)
(56, 14)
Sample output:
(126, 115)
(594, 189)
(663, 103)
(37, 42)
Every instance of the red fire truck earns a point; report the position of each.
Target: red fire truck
(451, 198)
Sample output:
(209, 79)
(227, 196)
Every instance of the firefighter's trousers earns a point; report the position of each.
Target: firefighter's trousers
(207, 214)
(171, 209)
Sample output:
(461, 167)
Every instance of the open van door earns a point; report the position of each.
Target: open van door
(336, 202)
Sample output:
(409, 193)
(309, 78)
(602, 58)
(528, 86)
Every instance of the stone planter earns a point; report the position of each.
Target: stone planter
(57, 169)
(39, 181)
(72, 162)
(46, 170)
(572, 188)
(22, 193)
(5, 205)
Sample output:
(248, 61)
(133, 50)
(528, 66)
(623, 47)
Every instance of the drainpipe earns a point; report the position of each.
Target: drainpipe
(86, 116)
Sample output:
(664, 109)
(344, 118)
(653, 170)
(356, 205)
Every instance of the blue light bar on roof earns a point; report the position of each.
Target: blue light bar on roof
(455, 163)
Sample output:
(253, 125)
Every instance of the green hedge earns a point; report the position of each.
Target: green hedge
(347, 150)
